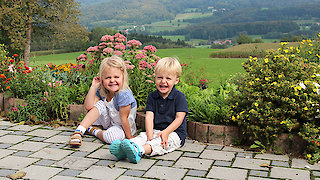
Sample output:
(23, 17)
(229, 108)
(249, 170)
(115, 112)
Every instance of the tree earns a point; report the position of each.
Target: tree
(244, 39)
(17, 19)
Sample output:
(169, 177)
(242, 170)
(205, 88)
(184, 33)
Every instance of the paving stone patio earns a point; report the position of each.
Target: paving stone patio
(43, 153)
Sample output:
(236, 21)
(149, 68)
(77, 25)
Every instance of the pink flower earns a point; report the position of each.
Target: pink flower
(102, 45)
(10, 68)
(82, 57)
(128, 66)
(120, 38)
(118, 53)
(59, 83)
(107, 50)
(120, 46)
(52, 85)
(140, 56)
(14, 109)
(150, 48)
(144, 64)
(107, 38)
(46, 93)
(133, 43)
(93, 49)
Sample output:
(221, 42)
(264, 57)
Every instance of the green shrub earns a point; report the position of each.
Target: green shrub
(277, 94)
(208, 105)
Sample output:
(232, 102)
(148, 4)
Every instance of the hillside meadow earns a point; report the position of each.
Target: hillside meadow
(215, 70)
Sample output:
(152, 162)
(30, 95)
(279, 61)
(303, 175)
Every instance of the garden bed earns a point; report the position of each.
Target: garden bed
(202, 132)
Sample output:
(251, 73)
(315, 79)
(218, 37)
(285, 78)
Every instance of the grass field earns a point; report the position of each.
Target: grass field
(215, 70)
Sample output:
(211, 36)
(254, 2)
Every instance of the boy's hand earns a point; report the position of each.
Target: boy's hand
(164, 136)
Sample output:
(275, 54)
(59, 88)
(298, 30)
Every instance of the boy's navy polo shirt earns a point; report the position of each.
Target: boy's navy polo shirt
(165, 110)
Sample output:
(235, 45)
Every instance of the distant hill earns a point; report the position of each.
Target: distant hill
(111, 13)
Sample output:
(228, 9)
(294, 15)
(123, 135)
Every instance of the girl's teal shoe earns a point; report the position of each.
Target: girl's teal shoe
(116, 150)
(132, 150)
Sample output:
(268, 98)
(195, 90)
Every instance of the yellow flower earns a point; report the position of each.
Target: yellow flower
(283, 43)
(280, 76)
(266, 60)
(309, 156)
(256, 104)
(283, 122)
(310, 44)
(233, 118)
(296, 93)
(267, 78)
(251, 83)
(305, 108)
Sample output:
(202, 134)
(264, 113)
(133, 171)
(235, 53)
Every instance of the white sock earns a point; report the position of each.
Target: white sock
(141, 149)
(81, 129)
(95, 131)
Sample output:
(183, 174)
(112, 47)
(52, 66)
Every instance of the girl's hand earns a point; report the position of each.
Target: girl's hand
(96, 82)
(164, 137)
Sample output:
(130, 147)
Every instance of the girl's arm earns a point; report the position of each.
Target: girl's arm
(124, 114)
(149, 124)
(92, 98)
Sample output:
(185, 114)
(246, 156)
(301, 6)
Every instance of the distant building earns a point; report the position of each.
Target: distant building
(227, 41)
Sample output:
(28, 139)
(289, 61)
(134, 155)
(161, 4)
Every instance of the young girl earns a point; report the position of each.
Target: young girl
(113, 107)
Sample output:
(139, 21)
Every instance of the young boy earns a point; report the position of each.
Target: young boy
(165, 120)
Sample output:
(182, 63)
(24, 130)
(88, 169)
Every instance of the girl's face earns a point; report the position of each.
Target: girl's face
(112, 79)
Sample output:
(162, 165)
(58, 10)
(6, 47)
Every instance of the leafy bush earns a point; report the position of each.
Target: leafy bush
(277, 94)
(208, 105)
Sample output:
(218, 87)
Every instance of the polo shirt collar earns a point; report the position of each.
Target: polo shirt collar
(170, 96)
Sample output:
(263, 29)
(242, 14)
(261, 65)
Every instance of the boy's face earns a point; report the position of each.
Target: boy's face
(165, 82)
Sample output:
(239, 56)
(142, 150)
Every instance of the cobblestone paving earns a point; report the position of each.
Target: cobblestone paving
(43, 153)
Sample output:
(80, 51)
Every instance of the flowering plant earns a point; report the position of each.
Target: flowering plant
(278, 94)
(140, 62)
(10, 68)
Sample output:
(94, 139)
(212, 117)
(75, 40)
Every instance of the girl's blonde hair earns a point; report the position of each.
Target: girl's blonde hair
(115, 62)
(169, 64)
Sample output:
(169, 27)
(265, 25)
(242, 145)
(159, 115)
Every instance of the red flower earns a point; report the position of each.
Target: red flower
(11, 60)
(8, 87)
(15, 55)
(2, 76)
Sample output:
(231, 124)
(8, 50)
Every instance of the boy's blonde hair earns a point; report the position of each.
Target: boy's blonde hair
(169, 64)
(115, 62)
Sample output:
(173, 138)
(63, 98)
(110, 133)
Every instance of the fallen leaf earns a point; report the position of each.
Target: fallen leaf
(17, 175)
(111, 166)
(264, 165)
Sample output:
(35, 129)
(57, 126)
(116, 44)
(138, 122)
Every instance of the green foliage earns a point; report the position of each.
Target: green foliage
(34, 111)
(209, 105)
(244, 39)
(277, 94)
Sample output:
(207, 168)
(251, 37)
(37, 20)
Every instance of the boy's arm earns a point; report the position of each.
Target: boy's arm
(124, 114)
(173, 126)
(92, 98)
(149, 124)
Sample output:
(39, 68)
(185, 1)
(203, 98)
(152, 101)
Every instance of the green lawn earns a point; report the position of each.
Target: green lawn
(215, 70)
